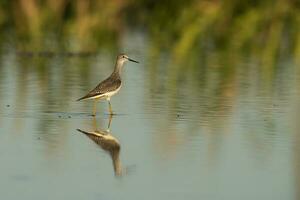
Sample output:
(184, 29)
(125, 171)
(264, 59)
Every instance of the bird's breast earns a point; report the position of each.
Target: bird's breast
(109, 94)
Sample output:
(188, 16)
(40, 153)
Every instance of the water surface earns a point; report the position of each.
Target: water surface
(213, 134)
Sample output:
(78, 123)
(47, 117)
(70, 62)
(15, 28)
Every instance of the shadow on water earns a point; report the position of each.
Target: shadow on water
(106, 141)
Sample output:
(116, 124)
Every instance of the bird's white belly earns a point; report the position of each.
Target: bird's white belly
(107, 95)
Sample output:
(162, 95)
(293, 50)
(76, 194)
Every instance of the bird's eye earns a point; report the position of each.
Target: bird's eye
(123, 56)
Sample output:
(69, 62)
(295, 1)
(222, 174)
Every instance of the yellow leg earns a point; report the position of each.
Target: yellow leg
(110, 109)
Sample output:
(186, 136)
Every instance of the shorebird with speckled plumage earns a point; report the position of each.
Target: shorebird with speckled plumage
(110, 86)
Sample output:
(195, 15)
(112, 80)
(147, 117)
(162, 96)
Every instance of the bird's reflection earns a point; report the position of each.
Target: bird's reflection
(107, 142)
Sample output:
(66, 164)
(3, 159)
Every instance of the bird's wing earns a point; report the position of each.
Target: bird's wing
(108, 85)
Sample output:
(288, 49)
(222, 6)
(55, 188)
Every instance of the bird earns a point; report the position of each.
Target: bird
(110, 86)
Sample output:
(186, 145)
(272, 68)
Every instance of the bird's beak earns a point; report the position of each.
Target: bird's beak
(133, 60)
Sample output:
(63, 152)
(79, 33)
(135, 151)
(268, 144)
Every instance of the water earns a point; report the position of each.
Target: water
(207, 135)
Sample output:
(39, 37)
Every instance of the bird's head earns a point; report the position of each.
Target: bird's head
(122, 58)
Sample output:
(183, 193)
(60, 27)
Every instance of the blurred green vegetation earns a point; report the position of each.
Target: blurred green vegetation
(190, 31)
(267, 27)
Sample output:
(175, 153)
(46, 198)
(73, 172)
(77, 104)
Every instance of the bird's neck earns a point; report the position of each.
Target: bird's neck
(117, 70)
